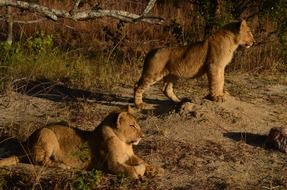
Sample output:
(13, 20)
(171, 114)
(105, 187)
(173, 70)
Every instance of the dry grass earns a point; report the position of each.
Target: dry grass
(184, 24)
(87, 58)
(66, 68)
(219, 147)
(259, 58)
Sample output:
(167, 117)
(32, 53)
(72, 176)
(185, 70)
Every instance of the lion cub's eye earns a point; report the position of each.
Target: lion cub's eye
(133, 126)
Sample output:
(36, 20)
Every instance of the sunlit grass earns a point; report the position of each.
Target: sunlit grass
(65, 67)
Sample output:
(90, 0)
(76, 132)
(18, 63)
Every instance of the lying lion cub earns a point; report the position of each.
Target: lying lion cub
(109, 147)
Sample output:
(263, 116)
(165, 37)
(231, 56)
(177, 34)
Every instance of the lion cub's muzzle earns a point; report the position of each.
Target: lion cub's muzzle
(136, 142)
(248, 45)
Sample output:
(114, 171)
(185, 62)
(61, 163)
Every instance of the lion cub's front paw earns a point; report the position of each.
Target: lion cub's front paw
(140, 170)
(153, 171)
(63, 166)
(219, 98)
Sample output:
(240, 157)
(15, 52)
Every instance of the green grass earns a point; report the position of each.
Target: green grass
(22, 61)
(88, 180)
(37, 58)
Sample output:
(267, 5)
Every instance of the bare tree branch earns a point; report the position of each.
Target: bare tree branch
(31, 6)
(26, 21)
(74, 14)
(10, 26)
(148, 8)
(76, 5)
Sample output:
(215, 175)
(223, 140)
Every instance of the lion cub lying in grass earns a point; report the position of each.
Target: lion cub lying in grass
(109, 147)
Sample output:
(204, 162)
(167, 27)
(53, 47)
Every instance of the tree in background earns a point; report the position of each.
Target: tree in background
(76, 14)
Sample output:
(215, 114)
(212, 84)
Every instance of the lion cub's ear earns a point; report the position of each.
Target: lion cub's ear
(130, 110)
(121, 118)
(243, 24)
(133, 112)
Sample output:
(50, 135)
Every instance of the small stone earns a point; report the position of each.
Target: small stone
(186, 108)
(277, 139)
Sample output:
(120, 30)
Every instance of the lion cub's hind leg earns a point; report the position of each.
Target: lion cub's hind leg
(143, 84)
(44, 151)
(168, 88)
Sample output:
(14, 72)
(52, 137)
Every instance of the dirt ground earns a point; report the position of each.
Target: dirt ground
(207, 145)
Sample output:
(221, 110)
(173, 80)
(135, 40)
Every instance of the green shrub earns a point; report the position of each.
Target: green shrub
(277, 11)
(40, 42)
(37, 59)
(88, 180)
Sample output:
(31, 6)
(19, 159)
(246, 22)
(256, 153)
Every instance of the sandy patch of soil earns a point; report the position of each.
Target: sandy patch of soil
(207, 146)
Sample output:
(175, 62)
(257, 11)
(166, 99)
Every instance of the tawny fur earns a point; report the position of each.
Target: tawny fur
(110, 147)
(210, 56)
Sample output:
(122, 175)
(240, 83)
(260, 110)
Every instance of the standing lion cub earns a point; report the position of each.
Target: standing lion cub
(109, 147)
(210, 56)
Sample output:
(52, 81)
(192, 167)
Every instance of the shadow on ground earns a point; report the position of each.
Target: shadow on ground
(10, 146)
(60, 93)
(255, 140)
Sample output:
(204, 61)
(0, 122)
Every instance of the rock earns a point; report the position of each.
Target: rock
(277, 139)
(187, 108)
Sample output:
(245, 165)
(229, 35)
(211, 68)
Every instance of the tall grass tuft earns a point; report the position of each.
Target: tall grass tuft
(36, 59)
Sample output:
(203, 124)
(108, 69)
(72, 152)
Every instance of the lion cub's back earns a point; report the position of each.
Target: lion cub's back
(69, 138)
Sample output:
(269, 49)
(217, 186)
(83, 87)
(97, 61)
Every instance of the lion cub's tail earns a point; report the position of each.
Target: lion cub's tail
(12, 160)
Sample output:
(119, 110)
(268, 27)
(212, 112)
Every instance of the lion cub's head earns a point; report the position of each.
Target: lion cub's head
(128, 129)
(243, 33)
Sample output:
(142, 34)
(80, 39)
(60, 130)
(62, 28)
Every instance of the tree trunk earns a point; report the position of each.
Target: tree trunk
(9, 39)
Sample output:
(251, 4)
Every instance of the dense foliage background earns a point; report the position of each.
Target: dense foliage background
(102, 42)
